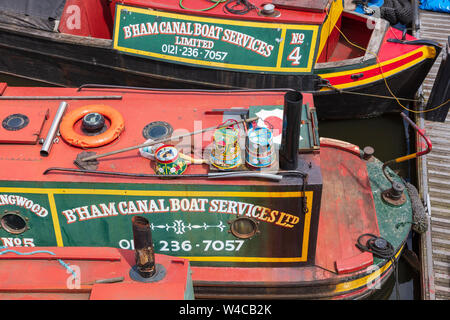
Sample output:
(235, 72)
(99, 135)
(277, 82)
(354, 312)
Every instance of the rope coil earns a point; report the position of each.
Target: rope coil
(380, 248)
(373, 245)
(384, 78)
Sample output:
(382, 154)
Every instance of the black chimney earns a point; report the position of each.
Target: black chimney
(290, 137)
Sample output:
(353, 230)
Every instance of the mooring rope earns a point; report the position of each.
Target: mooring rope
(230, 6)
(246, 6)
(386, 252)
(61, 262)
(216, 3)
(384, 77)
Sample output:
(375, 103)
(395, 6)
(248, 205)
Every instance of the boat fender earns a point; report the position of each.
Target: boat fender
(420, 220)
(397, 11)
(70, 136)
(387, 12)
(403, 11)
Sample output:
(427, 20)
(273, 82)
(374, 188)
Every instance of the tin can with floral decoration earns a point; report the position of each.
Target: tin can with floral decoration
(259, 148)
(226, 152)
(168, 161)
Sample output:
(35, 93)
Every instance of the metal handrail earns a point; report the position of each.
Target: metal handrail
(421, 132)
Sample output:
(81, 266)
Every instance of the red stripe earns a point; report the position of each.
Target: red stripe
(375, 71)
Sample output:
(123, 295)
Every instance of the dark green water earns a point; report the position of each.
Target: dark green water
(387, 135)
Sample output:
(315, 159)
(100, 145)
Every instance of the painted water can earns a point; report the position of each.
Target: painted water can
(168, 161)
(259, 147)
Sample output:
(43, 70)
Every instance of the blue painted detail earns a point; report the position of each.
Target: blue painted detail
(370, 3)
(65, 265)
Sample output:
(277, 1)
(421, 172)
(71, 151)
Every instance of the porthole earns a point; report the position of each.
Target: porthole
(13, 223)
(243, 227)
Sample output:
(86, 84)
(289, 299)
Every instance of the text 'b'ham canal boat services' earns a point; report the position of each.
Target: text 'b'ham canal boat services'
(348, 60)
(236, 182)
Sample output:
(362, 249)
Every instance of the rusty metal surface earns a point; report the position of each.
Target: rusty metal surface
(145, 256)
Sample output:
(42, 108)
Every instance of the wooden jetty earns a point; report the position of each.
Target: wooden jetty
(434, 177)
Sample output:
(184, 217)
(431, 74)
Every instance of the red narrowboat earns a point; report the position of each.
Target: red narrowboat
(237, 182)
(353, 63)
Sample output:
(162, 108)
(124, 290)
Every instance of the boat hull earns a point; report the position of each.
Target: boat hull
(354, 286)
(373, 99)
(298, 232)
(65, 60)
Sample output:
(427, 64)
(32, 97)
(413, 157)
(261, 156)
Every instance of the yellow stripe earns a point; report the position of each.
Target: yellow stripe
(426, 54)
(328, 26)
(311, 61)
(117, 25)
(408, 157)
(247, 259)
(350, 285)
(219, 21)
(281, 48)
(309, 201)
(56, 226)
(162, 193)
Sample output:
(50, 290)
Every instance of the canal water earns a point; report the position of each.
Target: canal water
(388, 136)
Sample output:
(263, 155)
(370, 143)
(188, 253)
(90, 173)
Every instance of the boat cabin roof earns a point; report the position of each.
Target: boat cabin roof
(184, 111)
(291, 11)
(97, 263)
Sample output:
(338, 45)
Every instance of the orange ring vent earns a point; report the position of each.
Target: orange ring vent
(70, 136)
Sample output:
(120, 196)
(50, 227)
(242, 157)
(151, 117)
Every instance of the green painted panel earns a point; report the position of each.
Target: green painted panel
(30, 211)
(215, 43)
(186, 220)
(391, 219)
(273, 116)
(192, 226)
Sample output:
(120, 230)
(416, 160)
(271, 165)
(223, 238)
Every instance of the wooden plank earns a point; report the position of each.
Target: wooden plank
(435, 244)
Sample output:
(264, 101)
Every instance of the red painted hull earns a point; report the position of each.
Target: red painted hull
(341, 270)
(348, 202)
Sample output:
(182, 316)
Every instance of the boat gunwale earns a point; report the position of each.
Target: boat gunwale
(374, 44)
(105, 44)
(374, 47)
(58, 37)
(335, 281)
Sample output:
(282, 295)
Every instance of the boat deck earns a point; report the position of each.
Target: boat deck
(435, 246)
